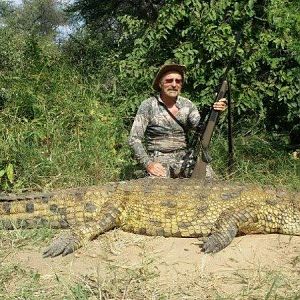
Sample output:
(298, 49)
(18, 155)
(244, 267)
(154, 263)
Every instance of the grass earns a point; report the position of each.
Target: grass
(258, 159)
(61, 132)
(61, 129)
(115, 276)
(18, 282)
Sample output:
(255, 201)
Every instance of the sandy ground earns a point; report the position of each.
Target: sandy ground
(252, 267)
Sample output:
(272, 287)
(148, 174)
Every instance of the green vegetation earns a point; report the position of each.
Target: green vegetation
(67, 104)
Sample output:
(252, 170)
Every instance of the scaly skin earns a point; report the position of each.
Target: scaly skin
(165, 207)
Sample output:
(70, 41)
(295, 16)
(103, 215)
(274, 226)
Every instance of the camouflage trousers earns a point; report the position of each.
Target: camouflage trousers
(176, 164)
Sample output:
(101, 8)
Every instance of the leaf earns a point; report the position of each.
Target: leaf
(10, 173)
(2, 172)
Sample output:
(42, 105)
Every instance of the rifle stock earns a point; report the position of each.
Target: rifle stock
(199, 171)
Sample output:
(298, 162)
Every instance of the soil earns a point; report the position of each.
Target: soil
(251, 267)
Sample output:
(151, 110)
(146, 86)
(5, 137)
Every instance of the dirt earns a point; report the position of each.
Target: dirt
(252, 267)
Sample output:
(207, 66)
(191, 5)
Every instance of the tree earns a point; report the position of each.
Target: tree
(201, 34)
(104, 14)
(104, 18)
(41, 17)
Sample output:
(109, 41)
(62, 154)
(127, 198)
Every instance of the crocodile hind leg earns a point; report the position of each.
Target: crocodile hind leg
(227, 227)
(67, 243)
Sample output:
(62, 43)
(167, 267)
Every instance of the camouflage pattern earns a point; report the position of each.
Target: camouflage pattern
(155, 130)
(172, 161)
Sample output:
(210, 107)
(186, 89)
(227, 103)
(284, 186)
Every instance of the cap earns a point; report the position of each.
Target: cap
(167, 68)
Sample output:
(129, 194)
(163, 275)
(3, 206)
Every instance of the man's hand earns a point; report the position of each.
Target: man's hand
(156, 169)
(220, 105)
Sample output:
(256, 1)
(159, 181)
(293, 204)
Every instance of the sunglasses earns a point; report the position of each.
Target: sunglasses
(171, 80)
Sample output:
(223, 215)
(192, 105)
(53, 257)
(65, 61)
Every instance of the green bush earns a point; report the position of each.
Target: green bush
(57, 128)
(66, 109)
(265, 77)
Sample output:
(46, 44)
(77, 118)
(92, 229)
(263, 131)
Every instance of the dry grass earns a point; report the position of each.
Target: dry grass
(134, 267)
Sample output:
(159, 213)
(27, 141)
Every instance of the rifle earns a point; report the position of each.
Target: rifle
(199, 171)
(200, 167)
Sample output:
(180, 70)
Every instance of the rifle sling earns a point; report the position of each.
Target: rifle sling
(172, 116)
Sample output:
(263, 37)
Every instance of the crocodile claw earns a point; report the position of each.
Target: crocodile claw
(219, 240)
(212, 245)
(62, 245)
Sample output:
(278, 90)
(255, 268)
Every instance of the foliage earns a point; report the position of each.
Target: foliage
(286, 19)
(40, 17)
(23, 27)
(66, 109)
(265, 77)
(258, 159)
(7, 176)
(61, 131)
(104, 14)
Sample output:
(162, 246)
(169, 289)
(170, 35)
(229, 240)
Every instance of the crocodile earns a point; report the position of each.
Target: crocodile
(215, 213)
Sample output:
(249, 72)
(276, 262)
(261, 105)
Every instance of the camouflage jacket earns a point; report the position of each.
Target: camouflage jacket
(154, 129)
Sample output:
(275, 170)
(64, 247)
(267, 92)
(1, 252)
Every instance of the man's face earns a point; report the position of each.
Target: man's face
(171, 84)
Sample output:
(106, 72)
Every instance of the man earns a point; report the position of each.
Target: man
(162, 123)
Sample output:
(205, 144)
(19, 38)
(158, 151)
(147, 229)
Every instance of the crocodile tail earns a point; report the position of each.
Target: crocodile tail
(56, 210)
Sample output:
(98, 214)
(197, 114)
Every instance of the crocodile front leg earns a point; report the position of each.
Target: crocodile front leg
(219, 240)
(67, 243)
(62, 245)
(227, 227)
